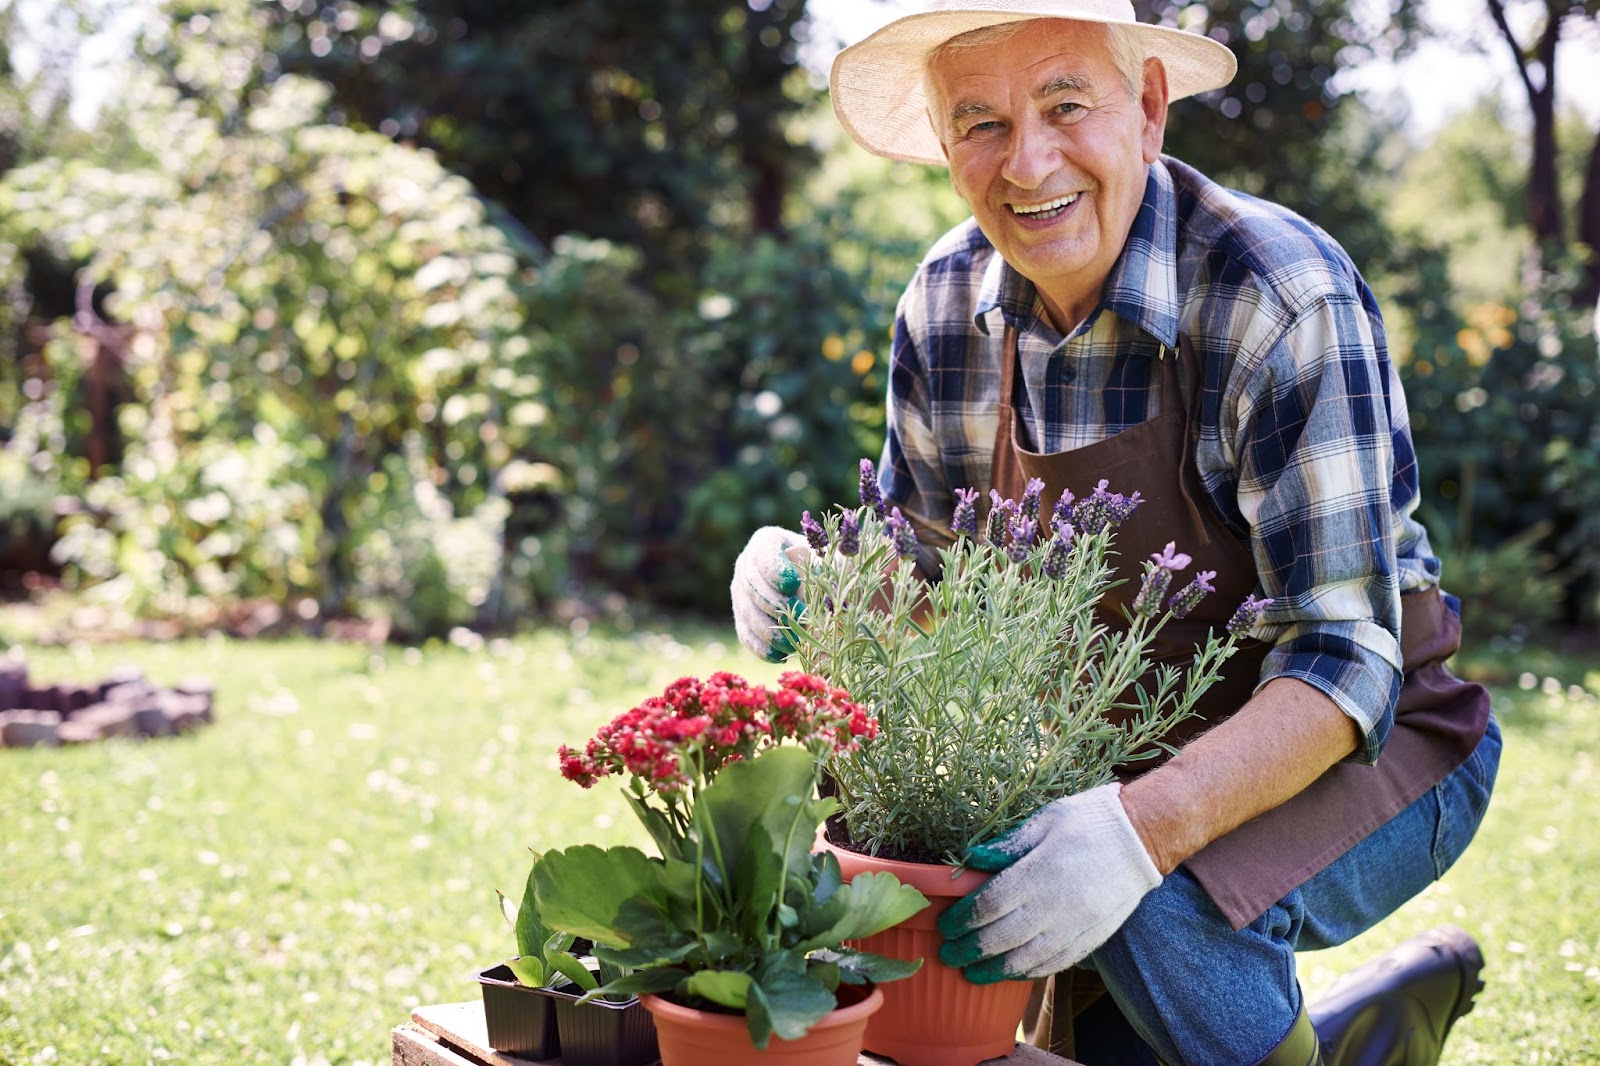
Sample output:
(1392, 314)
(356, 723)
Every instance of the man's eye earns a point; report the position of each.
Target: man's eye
(1067, 107)
(988, 126)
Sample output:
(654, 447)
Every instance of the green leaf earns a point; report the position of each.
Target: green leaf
(610, 896)
(680, 878)
(773, 790)
(573, 969)
(727, 988)
(529, 970)
(640, 982)
(756, 884)
(530, 928)
(825, 972)
(863, 966)
(758, 1017)
(877, 900)
(650, 955)
(508, 910)
(657, 825)
(793, 1002)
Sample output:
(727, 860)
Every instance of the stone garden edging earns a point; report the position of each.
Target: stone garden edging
(123, 704)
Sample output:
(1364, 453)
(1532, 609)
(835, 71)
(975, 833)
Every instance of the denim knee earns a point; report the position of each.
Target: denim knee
(1463, 798)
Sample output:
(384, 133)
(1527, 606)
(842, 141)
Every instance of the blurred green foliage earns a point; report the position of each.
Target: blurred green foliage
(655, 123)
(454, 313)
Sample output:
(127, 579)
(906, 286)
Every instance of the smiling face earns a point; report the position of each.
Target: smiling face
(1049, 149)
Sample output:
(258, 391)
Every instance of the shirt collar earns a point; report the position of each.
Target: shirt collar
(1141, 288)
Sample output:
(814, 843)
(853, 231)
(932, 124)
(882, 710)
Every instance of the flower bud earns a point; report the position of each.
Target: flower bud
(1022, 532)
(1186, 600)
(871, 496)
(1063, 508)
(1030, 498)
(1248, 616)
(849, 534)
(1055, 557)
(965, 521)
(1000, 512)
(816, 536)
(904, 537)
(1158, 578)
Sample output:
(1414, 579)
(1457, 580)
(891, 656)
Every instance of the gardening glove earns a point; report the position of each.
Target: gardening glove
(1066, 879)
(765, 580)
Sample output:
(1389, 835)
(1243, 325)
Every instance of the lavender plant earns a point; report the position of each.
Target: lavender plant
(992, 685)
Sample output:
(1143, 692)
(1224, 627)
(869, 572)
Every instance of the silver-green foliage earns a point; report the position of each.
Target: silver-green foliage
(991, 686)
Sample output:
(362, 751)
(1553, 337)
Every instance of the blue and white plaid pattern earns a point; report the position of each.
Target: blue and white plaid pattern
(1304, 447)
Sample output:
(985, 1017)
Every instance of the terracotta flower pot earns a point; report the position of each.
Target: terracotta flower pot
(690, 1037)
(935, 1017)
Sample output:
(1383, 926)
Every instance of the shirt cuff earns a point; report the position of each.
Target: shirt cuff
(1341, 660)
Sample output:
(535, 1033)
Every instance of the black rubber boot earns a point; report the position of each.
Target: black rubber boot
(1397, 1009)
(1299, 1048)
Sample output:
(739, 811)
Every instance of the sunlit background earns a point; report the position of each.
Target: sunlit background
(417, 315)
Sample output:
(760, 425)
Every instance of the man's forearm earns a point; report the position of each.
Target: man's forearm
(1279, 742)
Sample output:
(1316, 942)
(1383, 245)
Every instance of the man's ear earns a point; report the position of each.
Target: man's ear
(1153, 102)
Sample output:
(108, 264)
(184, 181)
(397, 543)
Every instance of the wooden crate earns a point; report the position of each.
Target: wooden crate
(453, 1034)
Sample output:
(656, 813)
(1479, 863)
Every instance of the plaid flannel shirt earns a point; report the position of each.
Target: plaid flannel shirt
(1304, 443)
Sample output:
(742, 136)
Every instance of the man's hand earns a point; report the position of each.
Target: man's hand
(765, 580)
(1067, 879)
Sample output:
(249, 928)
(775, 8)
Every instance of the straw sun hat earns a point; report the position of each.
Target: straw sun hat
(877, 84)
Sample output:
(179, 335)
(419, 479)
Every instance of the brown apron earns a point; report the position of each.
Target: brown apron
(1438, 721)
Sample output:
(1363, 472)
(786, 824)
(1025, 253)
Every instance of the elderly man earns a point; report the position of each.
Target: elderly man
(1108, 307)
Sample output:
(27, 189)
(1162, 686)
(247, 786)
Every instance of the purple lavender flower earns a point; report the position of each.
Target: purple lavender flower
(1022, 532)
(1000, 512)
(1169, 559)
(1248, 615)
(1063, 508)
(1158, 578)
(904, 537)
(1184, 601)
(1030, 498)
(1122, 507)
(870, 494)
(1093, 514)
(849, 534)
(1055, 557)
(965, 522)
(816, 536)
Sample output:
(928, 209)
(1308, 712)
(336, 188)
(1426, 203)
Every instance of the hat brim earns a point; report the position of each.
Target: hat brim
(876, 84)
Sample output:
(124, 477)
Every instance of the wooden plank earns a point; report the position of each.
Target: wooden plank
(457, 1030)
(461, 1026)
(418, 1047)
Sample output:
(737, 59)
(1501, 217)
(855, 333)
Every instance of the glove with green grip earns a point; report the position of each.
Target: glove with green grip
(766, 579)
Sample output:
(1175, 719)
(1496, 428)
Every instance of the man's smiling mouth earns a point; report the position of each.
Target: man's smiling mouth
(1045, 211)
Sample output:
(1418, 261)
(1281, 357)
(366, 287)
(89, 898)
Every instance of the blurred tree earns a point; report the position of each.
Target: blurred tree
(1285, 129)
(1536, 69)
(650, 122)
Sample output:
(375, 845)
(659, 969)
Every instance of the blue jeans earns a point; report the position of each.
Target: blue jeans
(1193, 991)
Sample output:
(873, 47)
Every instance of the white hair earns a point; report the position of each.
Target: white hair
(1127, 54)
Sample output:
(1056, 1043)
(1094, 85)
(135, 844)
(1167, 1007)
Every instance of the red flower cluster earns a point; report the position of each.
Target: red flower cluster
(695, 727)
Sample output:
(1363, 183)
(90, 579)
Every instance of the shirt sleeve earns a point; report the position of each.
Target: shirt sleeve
(1314, 452)
(911, 473)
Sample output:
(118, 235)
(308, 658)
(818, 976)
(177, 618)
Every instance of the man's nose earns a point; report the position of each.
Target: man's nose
(1033, 154)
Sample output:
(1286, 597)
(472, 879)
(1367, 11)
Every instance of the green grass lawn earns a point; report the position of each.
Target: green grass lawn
(286, 884)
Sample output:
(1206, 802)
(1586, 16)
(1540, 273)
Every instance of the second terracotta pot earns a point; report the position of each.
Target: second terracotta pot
(690, 1037)
(936, 1017)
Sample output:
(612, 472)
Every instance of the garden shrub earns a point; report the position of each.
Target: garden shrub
(1506, 419)
(305, 297)
(1510, 593)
